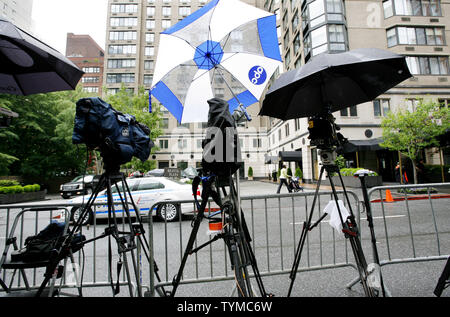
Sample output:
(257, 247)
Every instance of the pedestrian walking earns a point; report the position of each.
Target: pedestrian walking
(284, 179)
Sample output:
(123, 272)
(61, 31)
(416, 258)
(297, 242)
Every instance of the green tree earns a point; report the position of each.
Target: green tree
(410, 132)
(137, 105)
(38, 142)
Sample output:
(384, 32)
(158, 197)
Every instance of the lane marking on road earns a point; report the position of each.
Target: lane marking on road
(393, 216)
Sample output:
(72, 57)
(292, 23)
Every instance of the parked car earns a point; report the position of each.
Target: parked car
(79, 186)
(156, 172)
(146, 192)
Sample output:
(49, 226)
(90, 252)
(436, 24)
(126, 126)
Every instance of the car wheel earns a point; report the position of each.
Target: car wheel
(76, 214)
(168, 212)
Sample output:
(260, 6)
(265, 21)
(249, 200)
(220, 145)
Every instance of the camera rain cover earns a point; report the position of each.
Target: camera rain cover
(118, 136)
(221, 148)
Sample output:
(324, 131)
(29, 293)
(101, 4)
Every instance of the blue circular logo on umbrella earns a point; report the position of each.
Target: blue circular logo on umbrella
(257, 75)
(208, 54)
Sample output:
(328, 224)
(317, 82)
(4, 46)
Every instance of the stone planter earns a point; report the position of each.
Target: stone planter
(22, 197)
(351, 181)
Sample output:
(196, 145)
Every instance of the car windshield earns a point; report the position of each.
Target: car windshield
(79, 179)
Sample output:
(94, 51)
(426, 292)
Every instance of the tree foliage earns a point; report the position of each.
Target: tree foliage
(137, 105)
(38, 144)
(411, 132)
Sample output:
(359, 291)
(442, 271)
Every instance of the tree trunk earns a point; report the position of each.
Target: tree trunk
(414, 171)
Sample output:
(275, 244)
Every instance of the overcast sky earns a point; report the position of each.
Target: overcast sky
(53, 19)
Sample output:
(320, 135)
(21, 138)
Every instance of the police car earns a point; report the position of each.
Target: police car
(146, 192)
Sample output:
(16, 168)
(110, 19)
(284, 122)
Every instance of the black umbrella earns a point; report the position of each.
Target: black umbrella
(29, 66)
(334, 81)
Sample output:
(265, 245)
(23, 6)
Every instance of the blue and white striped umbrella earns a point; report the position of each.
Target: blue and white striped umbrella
(227, 49)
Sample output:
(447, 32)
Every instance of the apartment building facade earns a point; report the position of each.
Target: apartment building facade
(131, 51)
(418, 29)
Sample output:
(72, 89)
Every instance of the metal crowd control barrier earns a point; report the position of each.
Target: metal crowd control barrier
(412, 228)
(275, 223)
(92, 262)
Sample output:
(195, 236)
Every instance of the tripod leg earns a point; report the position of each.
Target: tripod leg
(353, 235)
(306, 227)
(189, 246)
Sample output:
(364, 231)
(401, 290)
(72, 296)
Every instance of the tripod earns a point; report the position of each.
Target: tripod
(444, 280)
(126, 241)
(236, 240)
(349, 226)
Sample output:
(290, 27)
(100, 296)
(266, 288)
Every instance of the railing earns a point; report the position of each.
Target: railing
(413, 228)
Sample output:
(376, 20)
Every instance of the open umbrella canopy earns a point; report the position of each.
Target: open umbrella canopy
(334, 81)
(226, 49)
(29, 66)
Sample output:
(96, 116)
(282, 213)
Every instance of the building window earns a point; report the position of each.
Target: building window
(182, 144)
(444, 102)
(257, 143)
(121, 63)
(411, 104)
(415, 36)
(149, 65)
(123, 35)
(122, 49)
(166, 24)
(124, 8)
(150, 37)
(184, 11)
(148, 79)
(412, 7)
(297, 124)
(286, 129)
(295, 22)
(150, 24)
(89, 79)
(165, 123)
(297, 44)
(123, 22)
(381, 107)
(91, 70)
(149, 51)
(150, 11)
(163, 144)
(349, 112)
(166, 11)
(119, 78)
(287, 59)
(428, 65)
(90, 89)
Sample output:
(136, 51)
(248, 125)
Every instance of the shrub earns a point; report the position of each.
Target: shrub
(2, 190)
(298, 173)
(250, 172)
(18, 189)
(28, 188)
(36, 187)
(8, 183)
(289, 171)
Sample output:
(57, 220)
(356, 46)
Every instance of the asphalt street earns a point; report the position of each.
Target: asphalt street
(275, 225)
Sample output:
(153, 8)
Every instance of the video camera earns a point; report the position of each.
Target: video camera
(221, 147)
(117, 136)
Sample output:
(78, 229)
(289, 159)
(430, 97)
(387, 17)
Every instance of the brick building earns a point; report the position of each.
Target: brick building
(89, 57)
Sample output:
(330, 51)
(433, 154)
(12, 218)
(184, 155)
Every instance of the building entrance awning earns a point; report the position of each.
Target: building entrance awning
(290, 156)
(363, 145)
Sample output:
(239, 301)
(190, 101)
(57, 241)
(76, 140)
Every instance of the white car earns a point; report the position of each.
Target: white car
(146, 192)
